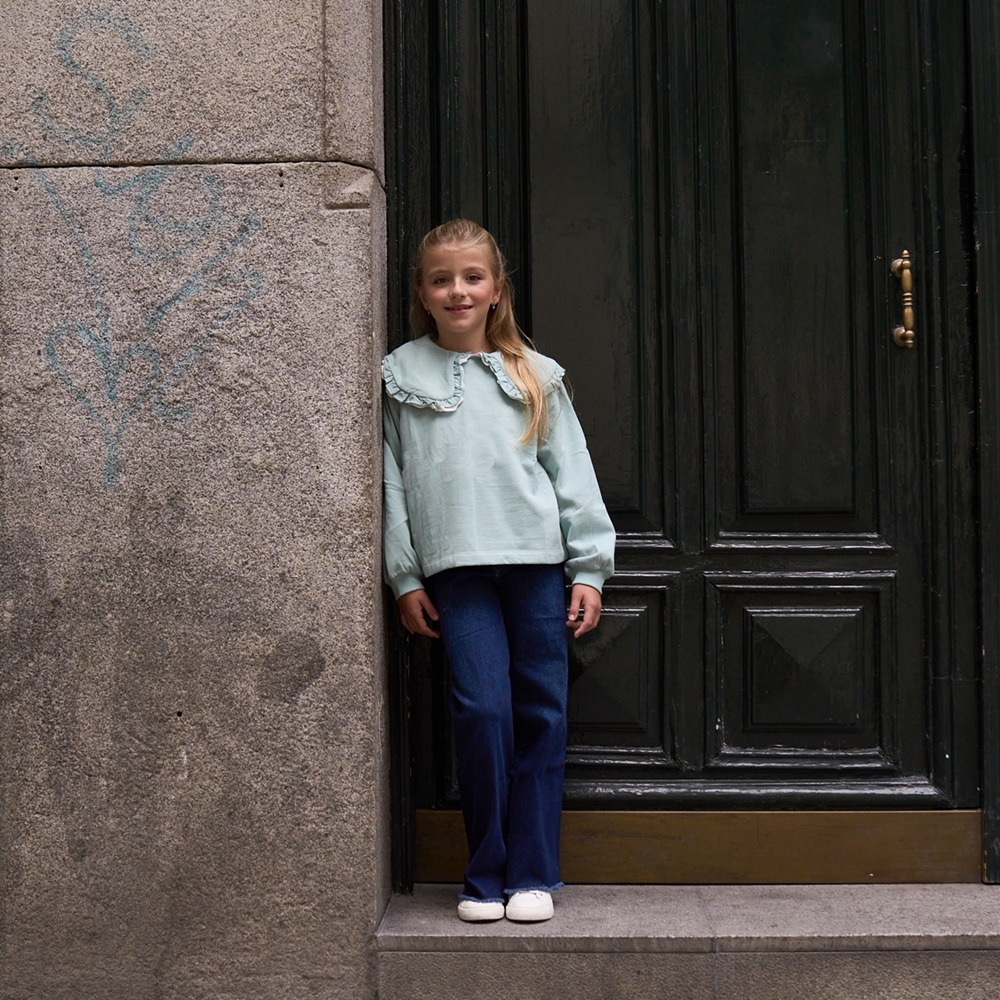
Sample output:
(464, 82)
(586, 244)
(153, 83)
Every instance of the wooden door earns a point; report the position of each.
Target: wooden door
(702, 203)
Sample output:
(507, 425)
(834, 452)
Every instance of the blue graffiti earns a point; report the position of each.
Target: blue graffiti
(152, 237)
(120, 116)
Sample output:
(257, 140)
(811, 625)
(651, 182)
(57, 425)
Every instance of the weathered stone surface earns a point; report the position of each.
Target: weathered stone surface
(843, 942)
(354, 114)
(925, 975)
(191, 689)
(629, 976)
(154, 80)
(609, 976)
(348, 186)
(588, 918)
(713, 918)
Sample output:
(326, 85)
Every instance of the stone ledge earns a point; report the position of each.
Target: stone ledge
(825, 975)
(712, 919)
(347, 186)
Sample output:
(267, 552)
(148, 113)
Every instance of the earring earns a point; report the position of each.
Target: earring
(427, 311)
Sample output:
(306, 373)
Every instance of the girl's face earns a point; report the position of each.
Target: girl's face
(458, 290)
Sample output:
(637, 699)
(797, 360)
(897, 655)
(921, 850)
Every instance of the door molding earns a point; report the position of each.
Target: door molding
(984, 45)
(453, 134)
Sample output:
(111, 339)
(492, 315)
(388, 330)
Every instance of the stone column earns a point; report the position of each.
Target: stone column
(192, 733)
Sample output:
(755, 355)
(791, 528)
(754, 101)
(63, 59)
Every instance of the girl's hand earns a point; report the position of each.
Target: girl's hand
(412, 608)
(589, 600)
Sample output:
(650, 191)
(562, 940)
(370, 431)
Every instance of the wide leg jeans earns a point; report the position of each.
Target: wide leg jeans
(504, 630)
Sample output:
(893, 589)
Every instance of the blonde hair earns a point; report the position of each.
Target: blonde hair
(502, 331)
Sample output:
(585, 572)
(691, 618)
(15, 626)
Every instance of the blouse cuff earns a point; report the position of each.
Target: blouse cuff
(404, 584)
(595, 580)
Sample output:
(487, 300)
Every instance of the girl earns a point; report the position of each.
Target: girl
(490, 496)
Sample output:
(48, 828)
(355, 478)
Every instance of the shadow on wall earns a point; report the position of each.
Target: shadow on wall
(130, 375)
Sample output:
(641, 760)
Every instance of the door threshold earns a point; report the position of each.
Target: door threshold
(738, 847)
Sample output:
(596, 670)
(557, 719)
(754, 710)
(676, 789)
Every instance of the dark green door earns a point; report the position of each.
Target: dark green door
(702, 202)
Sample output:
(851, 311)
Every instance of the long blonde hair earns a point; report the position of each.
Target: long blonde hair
(502, 331)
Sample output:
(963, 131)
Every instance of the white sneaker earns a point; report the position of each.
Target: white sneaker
(532, 904)
(477, 910)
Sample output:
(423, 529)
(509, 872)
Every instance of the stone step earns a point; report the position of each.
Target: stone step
(802, 942)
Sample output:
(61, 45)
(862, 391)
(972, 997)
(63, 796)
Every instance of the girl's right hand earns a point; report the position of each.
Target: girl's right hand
(412, 608)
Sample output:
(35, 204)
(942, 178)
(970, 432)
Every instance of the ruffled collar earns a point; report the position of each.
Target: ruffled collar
(422, 374)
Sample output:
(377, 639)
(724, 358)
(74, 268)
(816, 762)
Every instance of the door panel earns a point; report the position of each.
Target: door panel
(797, 220)
(618, 684)
(593, 250)
(795, 231)
(803, 673)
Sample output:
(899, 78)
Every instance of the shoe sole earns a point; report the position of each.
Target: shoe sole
(481, 915)
(529, 917)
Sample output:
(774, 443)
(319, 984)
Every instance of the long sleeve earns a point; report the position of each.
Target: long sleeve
(401, 565)
(586, 527)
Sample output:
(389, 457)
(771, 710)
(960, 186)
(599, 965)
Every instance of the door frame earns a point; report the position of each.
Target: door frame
(421, 158)
(424, 152)
(983, 33)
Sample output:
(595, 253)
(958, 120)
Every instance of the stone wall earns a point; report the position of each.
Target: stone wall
(192, 739)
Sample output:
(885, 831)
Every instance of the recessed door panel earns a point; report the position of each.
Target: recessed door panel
(802, 672)
(617, 682)
(797, 219)
(593, 224)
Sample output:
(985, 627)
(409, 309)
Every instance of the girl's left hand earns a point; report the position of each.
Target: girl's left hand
(589, 600)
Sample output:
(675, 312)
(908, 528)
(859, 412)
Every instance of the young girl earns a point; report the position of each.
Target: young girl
(490, 499)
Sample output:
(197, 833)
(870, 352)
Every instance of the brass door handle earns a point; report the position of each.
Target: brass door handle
(903, 269)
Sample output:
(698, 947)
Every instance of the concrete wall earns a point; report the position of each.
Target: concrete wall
(192, 756)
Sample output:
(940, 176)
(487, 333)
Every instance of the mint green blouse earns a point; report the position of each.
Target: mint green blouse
(460, 490)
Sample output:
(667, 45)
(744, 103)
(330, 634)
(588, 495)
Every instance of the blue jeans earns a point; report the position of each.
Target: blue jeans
(504, 630)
